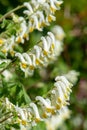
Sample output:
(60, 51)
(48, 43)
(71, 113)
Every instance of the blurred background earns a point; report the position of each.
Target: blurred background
(73, 18)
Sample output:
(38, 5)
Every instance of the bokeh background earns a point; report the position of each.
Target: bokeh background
(73, 18)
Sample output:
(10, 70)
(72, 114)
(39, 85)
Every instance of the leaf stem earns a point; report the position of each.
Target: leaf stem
(10, 12)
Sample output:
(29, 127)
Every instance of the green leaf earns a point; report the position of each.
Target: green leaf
(26, 97)
(2, 55)
(39, 126)
(4, 23)
(3, 65)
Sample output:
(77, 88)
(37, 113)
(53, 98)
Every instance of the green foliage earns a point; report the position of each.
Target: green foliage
(73, 18)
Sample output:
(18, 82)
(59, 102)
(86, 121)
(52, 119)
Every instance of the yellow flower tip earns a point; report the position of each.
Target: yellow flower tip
(49, 18)
(52, 47)
(59, 3)
(37, 120)
(49, 110)
(58, 106)
(43, 24)
(44, 115)
(68, 89)
(45, 53)
(59, 100)
(66, 96)
(19, 40)
(31, 29)
(39, 25)
(25, 36)
(1, 41)
(61, 37)
(37, 62)
(24, 65)
(24, 122)
(52, 9)
(18, 121)
(65, 103)
(4, 51)
(31, 67)
(12, 53)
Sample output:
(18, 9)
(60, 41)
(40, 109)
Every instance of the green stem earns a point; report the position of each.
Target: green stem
(6, 118)
(11, 63)
(10, 12)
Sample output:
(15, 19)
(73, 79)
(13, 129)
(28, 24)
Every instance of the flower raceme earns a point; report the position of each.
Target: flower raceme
(36, 15)
(39, 19)
(41, 55)
(43, 108)
(56, 121)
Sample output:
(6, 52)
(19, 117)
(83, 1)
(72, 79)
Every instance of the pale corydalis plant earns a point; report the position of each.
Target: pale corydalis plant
(36, 15)
(30, 115)
(56, 121)
(47, 51)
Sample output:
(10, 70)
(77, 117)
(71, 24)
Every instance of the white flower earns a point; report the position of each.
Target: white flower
(58, 32)
(8, 104)
(38, 51)
(7, 74)
(41, 19)
(41, 1)
(50, 18)
(57, 120)
(40, 55)
(23, 116)
(36, 112)
(58, 47)
(64, 80)
(27, 64)
(48, 44)
(9, 46)
(55, 5)
(22, 32)
(29, 7)
(59, 95)
(46, 103)
(61, 92)
(72, 76)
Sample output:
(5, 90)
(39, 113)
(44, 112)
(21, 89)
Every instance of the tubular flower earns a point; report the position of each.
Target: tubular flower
(8, 46)
(58, 32)
(56, 103)
(61, 92)
(46, 104)
(37, 19)
(72, 76)
(37, 117)
(27, 63)
(57, 120)
(41, 55)
(22, 32)
(39, 13)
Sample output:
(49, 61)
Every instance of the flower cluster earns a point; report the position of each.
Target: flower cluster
(42, 54)
(56, 121)
(72, 76)
(41, 13)
(42, 109)
(37, 15)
